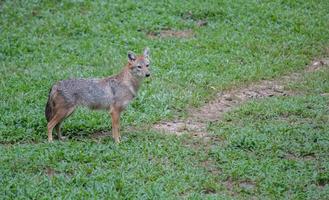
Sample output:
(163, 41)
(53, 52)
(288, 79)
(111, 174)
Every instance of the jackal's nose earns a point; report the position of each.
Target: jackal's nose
(147, 75)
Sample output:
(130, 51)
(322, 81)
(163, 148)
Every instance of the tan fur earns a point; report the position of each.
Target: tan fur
(112, 93)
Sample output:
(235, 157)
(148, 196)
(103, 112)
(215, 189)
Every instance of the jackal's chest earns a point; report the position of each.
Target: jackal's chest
(123, 97)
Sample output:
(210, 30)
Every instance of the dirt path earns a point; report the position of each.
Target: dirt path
(196, 122)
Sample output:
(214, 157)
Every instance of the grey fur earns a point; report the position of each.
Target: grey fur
(93, 93)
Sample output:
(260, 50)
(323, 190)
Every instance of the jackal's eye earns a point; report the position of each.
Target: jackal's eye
(147, 65)
(139, 67)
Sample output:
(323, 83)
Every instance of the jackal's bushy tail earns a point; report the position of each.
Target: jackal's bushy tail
(49, 107)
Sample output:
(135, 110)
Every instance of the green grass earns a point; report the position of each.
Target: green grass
(280, 145)
(145, 166)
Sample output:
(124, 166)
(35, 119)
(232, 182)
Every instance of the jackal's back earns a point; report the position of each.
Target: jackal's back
(94, 93)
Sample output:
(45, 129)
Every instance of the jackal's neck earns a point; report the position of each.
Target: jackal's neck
(129, 80)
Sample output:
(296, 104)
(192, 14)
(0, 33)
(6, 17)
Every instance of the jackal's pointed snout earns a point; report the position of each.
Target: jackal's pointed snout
(148, 74)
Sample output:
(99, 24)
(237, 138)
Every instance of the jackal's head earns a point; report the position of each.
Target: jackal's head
(139, 65)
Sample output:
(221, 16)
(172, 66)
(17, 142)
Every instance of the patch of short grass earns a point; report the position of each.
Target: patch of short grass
(280, 145)
(46, 41)
(144, 166)
(275, 148)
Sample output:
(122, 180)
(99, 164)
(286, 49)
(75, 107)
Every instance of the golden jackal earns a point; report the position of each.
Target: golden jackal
(112, 93)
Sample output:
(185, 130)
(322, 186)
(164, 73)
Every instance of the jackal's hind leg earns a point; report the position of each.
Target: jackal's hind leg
(59, 116)
(58, 131)
(52, 123)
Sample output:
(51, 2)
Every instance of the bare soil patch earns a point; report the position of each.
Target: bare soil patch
(100, 134)
(50, 172)
(291, 156)
(167, 33)
(247, 185)
(229, 185)
(196, 122)
(199, 20)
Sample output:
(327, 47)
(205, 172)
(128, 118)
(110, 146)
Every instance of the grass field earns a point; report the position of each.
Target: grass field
(274, 148)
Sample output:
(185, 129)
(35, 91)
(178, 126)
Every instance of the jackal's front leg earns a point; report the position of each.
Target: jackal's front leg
(116, 124)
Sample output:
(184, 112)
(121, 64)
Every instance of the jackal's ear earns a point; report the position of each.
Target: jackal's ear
(131, 56)
(146, 52)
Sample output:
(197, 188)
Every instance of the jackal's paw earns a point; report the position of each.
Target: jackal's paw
(117, 140)
(50, 140)
(62, 138)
